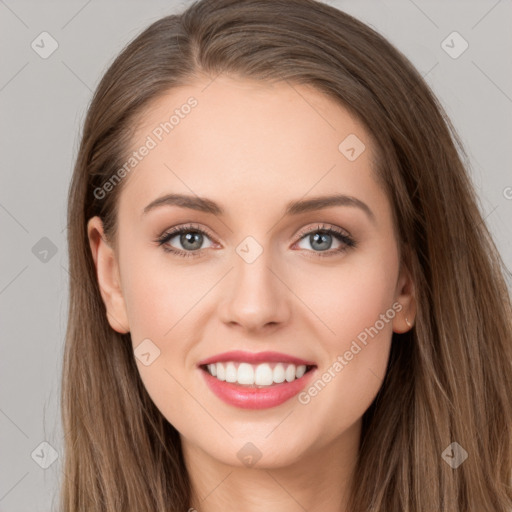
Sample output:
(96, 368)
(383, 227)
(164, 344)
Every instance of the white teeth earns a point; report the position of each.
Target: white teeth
(231, 373)
(245, 374)
(263, 375)
(260, 375)
(290, 373)
(279, 375)
(221, 372)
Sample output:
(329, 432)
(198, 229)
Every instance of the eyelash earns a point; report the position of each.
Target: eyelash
(348, 241)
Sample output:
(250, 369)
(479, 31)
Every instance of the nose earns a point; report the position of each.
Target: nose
(255, 295)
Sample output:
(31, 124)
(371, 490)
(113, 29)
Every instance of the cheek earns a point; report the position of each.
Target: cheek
(350, 297)
(357, 306)
(157, 301)
(157, 295)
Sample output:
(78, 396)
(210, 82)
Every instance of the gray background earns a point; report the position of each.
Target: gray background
(42, 105)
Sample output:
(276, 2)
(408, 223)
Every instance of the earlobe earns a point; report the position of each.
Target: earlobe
(406, 296)
(108, 275)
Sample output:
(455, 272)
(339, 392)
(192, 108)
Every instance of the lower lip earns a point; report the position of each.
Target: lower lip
(256, 398)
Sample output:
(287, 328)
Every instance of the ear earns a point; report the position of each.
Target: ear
(406, 295)
(107, 270)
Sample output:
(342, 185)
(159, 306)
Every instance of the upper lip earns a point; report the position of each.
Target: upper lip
(255, 358)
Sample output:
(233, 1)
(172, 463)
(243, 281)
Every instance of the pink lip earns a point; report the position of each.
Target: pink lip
(255, 358)
(256, 398)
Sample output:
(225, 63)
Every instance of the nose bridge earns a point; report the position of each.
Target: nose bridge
(255, 296)
(252, 267)
(252, 273)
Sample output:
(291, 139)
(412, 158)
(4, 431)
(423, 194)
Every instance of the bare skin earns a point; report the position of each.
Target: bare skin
(252, 148)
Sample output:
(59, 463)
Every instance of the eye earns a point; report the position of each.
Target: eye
(321, 240)
(190, 238)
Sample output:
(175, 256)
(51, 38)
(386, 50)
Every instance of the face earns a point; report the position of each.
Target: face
(258, 267)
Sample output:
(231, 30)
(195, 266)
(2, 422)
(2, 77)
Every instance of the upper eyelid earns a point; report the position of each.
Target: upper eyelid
(318, 226)
(187, 227)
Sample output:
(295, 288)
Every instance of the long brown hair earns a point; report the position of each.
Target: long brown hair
(448, 379)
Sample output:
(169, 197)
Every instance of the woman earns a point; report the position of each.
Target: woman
(283, 294)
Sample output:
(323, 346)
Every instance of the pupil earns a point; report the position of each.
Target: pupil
(322, 237)
(188, 238)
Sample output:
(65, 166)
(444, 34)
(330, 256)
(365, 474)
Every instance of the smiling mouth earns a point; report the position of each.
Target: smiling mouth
(256, 375)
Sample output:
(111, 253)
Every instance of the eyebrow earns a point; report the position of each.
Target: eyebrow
(297, 207)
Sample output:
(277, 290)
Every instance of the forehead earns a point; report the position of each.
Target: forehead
(249, 145)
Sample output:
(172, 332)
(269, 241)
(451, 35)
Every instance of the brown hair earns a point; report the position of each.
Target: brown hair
(448, 379)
